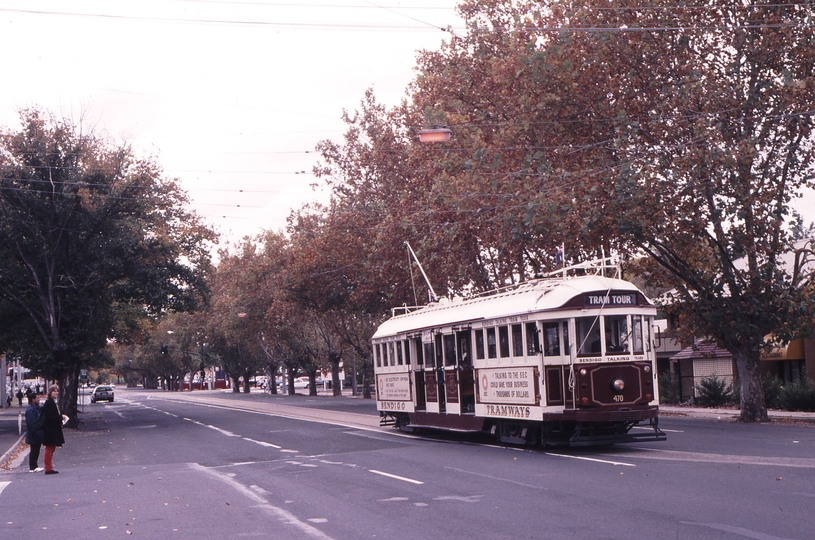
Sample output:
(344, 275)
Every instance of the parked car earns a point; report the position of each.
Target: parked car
(301, 382)
(102, 393)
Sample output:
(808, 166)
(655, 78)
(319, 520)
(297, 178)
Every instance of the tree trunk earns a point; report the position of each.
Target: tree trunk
(367, 375)
(236, 386)
(336, 383)
(246, 383)
(753, 407)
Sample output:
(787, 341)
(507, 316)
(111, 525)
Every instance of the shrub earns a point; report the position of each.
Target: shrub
(772, 389)
(669, 388)
(797, 396)
(714, 392)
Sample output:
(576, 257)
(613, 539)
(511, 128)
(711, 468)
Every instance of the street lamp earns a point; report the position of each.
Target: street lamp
(435, 133)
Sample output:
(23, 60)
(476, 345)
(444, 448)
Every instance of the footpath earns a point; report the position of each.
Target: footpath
(12, 419)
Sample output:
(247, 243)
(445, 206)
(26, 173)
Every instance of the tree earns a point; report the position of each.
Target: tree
(88, 231)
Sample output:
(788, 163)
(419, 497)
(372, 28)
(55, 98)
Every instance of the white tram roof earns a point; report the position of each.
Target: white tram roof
(533, 296)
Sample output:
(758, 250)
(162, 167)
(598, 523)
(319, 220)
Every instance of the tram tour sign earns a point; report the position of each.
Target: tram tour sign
(507, 385)
(613, 299)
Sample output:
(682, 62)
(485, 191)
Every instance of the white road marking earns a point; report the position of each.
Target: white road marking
(393, 499)
(747, 533)
(497, 478)
(286, 517)
(469, 499)
(262, 443)
(620, 463)
(402, 478)
(3, 486)
(661, 429)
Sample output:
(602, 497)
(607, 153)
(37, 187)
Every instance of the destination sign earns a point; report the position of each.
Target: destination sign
(616, 299)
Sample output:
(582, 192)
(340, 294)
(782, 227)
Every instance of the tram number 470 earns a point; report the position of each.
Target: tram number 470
(619, 397)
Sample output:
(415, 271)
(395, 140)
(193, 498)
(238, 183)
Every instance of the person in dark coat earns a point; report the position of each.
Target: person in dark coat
(33, 433)
(51, 428)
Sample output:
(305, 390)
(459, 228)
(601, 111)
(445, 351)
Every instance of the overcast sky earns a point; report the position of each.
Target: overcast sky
(231, 96)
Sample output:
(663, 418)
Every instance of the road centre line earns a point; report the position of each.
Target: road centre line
(262, 443)
(731, 459)
(395, 477)
(583, 458)
(497, 478)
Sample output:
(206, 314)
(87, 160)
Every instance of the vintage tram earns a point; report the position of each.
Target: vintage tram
(565, 360)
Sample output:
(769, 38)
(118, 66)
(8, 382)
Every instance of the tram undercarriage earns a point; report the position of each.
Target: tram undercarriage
(552, 433)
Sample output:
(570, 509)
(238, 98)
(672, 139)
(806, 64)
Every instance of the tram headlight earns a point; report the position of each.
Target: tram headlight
(618, 385)
(647, 369)
(583, 372)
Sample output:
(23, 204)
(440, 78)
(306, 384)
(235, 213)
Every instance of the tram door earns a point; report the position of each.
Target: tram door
(431, 383)
(418, 375)
(466, 379)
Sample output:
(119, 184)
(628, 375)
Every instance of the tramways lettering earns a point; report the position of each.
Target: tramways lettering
(509, 411)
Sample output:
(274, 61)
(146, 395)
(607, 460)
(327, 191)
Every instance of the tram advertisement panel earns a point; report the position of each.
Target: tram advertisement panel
(507, 385)
(393, 386)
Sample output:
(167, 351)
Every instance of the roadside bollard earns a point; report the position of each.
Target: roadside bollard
(19, 423)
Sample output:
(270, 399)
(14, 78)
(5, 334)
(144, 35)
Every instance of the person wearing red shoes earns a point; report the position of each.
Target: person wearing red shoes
(51, 428)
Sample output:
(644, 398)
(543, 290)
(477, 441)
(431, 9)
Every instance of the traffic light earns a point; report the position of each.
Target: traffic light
(164, 350)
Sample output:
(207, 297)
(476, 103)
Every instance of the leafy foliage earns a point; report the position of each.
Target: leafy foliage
(89, 232)
(669, 392)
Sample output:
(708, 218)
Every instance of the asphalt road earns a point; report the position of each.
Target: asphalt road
(205, 465)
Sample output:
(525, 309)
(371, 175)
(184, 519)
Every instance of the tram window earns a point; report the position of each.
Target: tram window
(565, 333)
(479, 344)
(417, 342)
(464, 348)
(551, 339)
(391, 353)
(616, 334)
(378, 354)
(450, 350)
(429, 354)
(399, 360)
(491, 350)
(588, 335)
(648, 322)
(533, 346)
(636, 334)
(503, 341)
(517, 340)
(439, 350)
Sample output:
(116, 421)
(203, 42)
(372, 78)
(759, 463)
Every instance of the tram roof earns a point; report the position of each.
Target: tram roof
(534, 296)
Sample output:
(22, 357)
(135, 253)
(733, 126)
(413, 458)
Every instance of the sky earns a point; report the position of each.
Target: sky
(231, 97)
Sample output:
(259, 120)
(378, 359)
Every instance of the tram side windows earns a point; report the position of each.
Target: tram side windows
(429, 354)
(378, 353)
(464, 348)
(636, 334)
(588, 336)
(567, 348)
(450, 350)
(417, 342)
(391, 353)
(517, 340)
(648, 322)
(479, 344)
(616, 327)
(439, 350)
(399, 360)
(533, 346)
(492, 351)
(551, 339)
(503, 341)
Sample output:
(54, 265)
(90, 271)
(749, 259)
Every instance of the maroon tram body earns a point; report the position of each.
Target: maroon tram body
(556, 361)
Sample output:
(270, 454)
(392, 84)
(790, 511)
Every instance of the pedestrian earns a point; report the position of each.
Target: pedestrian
(29, 394)
(51, 428)
(33, 433)
(19, 395)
